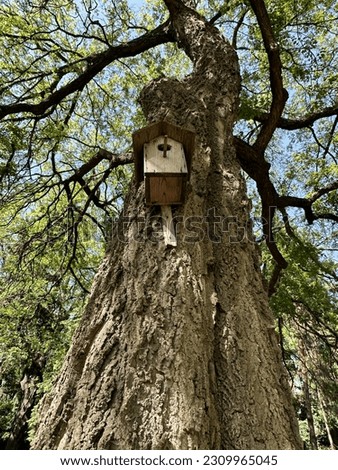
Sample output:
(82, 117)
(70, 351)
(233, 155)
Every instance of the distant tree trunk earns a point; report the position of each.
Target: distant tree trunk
(327, 427)
(306, 394)
(18, 437)
(177, 348)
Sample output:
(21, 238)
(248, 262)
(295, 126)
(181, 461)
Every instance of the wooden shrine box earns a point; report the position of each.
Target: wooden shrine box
(163, 155)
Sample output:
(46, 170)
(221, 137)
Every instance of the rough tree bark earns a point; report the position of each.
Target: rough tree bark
(177, 348)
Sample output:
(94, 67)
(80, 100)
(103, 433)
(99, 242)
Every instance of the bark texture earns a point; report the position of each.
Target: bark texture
(176, 348)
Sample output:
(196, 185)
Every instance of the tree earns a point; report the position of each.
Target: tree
(308, 329)
(177, 346)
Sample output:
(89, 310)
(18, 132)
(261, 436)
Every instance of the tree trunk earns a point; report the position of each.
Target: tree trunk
(303, 372)
(17, 439)
(327, 427)
(177, 348)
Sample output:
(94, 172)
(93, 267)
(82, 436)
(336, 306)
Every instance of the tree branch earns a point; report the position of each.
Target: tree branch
(301, 123)
(306, 204)
(322, 191)
(237, 28)
(115, 161)
(95, 64)
(255, 165)
(218, 15)
(279, 94)
(274, 280)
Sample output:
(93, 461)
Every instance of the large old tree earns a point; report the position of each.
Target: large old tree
(176, 348)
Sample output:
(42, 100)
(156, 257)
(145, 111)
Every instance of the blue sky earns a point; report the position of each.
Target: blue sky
(136, 3)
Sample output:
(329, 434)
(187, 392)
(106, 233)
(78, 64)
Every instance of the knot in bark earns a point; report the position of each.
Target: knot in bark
(170, 100)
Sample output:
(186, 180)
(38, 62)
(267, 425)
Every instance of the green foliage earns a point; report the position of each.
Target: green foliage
(306, 308)
(52, 234)
(40, 303)
(303, 161)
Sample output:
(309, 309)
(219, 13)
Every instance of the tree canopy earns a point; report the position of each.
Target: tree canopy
(71, 72)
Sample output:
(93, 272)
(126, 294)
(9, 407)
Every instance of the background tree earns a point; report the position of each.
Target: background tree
(69, 96)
